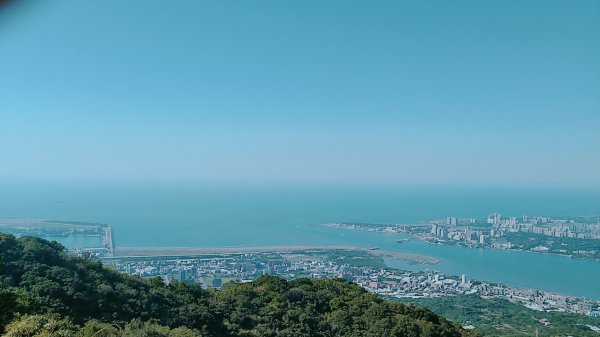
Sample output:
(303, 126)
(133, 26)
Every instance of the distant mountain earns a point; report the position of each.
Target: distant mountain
(45, 292)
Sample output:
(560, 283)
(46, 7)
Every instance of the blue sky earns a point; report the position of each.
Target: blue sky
(357, 92)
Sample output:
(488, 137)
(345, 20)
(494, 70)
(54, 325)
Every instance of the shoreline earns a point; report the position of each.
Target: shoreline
(421, 259)
(460, 244)
(129, 252)
(379, 228)
(179, 251)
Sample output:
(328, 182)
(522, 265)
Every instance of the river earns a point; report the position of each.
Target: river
(212, 216)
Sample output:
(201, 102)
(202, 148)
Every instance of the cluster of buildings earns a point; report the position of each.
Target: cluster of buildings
(91, 239)
(435, 284)
(467, 234)
(415, 285)
(483, 232)
(540, 300)
(208, 271)
(544, 225)
(215, 270)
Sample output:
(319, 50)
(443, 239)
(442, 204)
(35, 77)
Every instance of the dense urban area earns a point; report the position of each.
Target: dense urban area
(364, 267)
(577, 237)
(46, 292)
(360, 267)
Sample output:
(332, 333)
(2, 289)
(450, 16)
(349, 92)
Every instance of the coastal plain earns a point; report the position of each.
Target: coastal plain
(194, 251)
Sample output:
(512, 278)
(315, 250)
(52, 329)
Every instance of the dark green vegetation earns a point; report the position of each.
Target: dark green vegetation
(499, 317)
(353, 258)
(45, 292)
(585, 248)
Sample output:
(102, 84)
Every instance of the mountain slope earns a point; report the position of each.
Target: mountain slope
(38, 278)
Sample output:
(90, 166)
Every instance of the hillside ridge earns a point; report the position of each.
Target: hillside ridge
(46, 292)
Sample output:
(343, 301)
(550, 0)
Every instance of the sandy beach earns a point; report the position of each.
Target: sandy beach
(187, 251)
(176, 251)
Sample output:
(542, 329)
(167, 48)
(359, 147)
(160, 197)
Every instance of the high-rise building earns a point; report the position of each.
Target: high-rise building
(451, 221)
(442, 232)
(494, 219)
(469, 234)
(434, 229)
(182, 276)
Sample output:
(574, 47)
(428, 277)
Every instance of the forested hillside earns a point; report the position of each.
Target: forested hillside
(45, 292)
(498, 317)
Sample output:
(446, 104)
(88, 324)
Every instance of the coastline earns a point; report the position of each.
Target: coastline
(460, 244)
(179, 251)
(380, 228)
(125, 252)
(414, 258)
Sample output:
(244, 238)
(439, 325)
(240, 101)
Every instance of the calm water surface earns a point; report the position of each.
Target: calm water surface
(212, 216)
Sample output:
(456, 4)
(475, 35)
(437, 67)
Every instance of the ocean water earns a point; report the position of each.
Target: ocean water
(213, 216)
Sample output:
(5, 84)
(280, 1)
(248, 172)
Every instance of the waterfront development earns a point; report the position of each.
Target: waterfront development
(300, 169)
(387, 260)
(81, 237)
(577, 237)
(519, 269)
(361, 266)
(375, 269)
(216, 216)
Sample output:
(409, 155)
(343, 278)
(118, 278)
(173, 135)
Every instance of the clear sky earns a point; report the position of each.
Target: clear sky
(366, 92)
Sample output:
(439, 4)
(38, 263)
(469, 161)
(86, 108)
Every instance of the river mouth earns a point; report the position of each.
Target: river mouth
(217, 216)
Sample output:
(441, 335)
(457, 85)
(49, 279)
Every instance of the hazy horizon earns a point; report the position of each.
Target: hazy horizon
(352, 93)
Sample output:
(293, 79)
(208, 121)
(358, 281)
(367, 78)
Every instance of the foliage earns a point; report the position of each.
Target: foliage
(353, 258)
(41, 326)
(569, 246)
(52, 326)
(49, 293)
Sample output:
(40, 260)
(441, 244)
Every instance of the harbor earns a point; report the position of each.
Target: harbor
(80, 238)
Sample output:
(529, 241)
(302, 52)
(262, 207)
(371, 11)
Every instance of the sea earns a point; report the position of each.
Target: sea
(145, 215)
